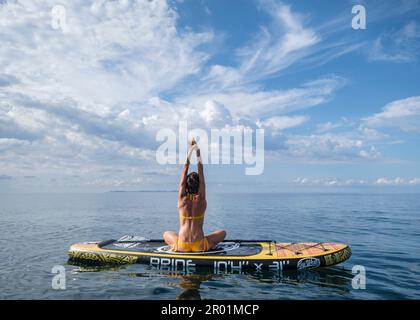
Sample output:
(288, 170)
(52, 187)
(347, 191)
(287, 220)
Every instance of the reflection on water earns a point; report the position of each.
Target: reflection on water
(189, 282)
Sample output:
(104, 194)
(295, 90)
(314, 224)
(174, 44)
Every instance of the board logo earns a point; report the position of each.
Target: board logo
(308, 263)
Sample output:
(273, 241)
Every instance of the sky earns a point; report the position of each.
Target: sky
(85, 86)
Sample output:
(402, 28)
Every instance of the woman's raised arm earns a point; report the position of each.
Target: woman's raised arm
(202, 186)
(184, 172)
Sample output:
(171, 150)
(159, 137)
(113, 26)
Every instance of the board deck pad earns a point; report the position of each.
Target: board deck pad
(230, 254)
(224, 248)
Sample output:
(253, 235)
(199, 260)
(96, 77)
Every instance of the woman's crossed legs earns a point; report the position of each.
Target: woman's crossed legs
(171, 237)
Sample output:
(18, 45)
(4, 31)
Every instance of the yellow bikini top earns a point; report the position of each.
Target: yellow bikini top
(182, 217)
(190, 196)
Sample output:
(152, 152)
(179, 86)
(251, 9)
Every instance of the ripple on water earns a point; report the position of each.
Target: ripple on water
(381, 230)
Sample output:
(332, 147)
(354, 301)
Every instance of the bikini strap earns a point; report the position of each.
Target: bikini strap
(192, 217)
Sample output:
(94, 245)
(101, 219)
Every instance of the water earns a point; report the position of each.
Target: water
(382, 230)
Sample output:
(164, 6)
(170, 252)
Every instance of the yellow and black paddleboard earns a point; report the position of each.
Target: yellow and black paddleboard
(230, 255)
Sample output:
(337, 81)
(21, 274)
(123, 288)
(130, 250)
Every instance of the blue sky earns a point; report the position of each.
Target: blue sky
(80, 105)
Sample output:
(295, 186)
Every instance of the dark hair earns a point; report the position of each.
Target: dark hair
(193, 182)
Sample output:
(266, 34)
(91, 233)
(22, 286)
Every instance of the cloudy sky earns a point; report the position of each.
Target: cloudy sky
(82, 97)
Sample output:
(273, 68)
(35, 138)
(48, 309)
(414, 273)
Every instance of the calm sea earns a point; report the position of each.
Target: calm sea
(383, 231)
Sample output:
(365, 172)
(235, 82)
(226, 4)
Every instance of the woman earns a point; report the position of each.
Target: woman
(192, 205)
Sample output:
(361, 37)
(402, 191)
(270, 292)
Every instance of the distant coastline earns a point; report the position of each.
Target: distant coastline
(143, 191)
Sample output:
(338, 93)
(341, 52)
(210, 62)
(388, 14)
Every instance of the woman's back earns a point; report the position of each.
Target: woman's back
(191, 217)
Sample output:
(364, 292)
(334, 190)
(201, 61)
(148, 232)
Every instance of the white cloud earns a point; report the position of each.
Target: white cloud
(387, 181)
(274, 48)
(327, 126)
(120, 182)
(329, 147)
(404, 114)
(281, 45)
(415, 181)
(215, 114)
(255, 105)
(329, 182)
(401, 46)
(280, 123)
(372, 134)
(83, 95)
(343, 124)
(94, 96)
(99, 59)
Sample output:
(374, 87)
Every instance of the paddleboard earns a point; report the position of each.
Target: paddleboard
(229, 255)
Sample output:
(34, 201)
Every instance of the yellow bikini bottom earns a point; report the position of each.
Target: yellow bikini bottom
(196, 246)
